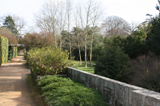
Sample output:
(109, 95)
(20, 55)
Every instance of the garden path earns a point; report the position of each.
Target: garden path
(14, 90)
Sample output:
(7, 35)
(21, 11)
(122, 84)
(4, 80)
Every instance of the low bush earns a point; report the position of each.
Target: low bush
(47, 60)
(145, 72)
(112, 63)
(64, 92)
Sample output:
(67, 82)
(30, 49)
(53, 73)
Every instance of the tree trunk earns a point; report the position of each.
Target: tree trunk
(70, 47)
(60, 42)
(85, 49)
(91, 51)
(80, 62)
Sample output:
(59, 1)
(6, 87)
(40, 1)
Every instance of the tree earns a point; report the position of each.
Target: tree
(20, 24)
(69, 10)
(114, 25)
(61, 22)
(8, 34)
(46, 19)
(10, 24)
(65, 39)
(87, 16)
(153, 37)
(78, 38)
(38, 40)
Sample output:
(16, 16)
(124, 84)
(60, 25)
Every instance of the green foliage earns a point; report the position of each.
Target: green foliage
(10, 53)
(9, 24)
(133, 46)
(47, 60)
(3, 49)
(153, 38)
(64, 92)
(13, 52)
(112, 63)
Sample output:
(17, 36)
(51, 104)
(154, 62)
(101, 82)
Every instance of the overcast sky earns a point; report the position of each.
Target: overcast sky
(130, 10)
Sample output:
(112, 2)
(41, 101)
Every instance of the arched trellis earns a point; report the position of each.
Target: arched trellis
(18, 45)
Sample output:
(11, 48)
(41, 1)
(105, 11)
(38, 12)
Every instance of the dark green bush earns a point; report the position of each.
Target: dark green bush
(47, 60)
(153, 37)
(64, 92)
(112, 63)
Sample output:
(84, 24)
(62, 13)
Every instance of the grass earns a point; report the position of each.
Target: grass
(34, 90)
(82, 67)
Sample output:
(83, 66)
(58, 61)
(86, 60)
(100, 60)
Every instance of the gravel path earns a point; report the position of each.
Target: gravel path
(13, 84)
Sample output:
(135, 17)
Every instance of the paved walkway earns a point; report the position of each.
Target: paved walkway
(13, 84)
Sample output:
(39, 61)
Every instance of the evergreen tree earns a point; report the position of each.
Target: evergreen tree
(153, 37)
(10, 24)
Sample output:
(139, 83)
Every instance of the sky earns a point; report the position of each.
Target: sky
(130, 10)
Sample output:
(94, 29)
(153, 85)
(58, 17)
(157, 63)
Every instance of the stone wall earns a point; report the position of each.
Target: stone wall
(115, 92)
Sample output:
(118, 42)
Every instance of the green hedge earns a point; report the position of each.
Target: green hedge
(13, 52)
(3, 49)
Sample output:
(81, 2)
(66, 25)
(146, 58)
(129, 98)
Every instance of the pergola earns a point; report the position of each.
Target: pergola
(17, 45)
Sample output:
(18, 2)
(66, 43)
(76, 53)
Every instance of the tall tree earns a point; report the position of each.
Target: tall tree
(78, 38)
(20, 25)
(10, 24)
(46, 19)
(61, 22)
(89, 14)
(69, 11)
(114, 25)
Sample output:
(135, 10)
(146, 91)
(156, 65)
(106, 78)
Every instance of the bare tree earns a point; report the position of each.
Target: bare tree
(114, 25)
(69, 11)
(46, 19)
(97, 16)
(78, 32)
(90, 15)
(85, 21)
(20, 25)
(133, 26)
(61, 21)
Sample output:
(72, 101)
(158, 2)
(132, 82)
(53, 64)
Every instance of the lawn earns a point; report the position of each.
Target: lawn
(82, 67)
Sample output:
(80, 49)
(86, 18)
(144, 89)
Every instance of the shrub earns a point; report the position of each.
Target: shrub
(112, 63)
(145, 72)
(38, 40)
(47, 60)
(64, 92)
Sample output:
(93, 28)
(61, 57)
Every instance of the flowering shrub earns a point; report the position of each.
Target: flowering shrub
(47, 60)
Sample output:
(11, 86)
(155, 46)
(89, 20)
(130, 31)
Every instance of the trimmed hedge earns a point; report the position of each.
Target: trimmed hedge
(3, 49)
(13, 52)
